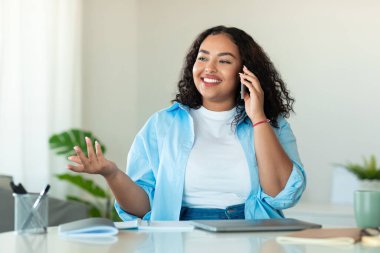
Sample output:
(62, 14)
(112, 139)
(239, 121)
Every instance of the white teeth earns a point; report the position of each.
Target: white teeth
(208, 80)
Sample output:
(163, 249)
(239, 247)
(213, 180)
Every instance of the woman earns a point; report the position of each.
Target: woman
(211, 155)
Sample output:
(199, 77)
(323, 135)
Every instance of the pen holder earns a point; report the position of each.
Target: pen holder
(31, 213)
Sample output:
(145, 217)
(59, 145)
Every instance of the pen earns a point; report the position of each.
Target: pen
(18, 189)
(21, 189)
(35, 206)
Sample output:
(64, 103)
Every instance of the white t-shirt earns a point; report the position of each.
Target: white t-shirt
(217, 173)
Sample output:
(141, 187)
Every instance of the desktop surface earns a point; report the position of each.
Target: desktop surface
(166, 242)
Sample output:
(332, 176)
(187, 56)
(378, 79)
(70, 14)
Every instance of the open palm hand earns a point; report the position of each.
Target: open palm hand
(95, 163)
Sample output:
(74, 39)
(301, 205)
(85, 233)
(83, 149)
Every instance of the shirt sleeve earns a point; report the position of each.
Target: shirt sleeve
(296, 183)
(140, 166)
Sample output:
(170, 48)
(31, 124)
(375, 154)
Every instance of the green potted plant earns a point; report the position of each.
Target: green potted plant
(101, 204)
(367, 173)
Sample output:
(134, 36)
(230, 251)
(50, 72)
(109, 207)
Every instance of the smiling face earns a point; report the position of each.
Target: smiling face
(215, 72)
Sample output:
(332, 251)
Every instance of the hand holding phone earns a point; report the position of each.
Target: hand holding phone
(254, 102)
(243, 89)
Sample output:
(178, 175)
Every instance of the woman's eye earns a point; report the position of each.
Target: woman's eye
(225, 62)
(201, 58)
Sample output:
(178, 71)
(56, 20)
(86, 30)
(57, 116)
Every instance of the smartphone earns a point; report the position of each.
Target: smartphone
(243, 90)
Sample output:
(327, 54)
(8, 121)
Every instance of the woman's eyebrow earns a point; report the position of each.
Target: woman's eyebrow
(226, 53)
(204, 51)
(220, 54)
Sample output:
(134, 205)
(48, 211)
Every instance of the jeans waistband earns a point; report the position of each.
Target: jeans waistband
(231, 212)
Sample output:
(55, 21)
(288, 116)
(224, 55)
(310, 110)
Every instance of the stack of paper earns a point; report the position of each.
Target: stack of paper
(174, 226)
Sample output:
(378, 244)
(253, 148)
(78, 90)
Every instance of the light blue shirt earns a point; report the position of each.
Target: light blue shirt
(158, 156)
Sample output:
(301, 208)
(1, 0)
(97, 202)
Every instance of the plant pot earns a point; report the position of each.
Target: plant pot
(369, 185)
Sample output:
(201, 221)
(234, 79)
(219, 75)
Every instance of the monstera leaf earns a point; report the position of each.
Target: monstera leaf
(63, 143)
(93, 210)
(87, 185)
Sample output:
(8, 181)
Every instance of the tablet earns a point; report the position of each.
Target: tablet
(253, 225)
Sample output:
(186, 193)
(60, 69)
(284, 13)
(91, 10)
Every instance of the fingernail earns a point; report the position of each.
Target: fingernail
(96, 143)
(76, 148)
(244, 67)
(86, 138)
(69, 158)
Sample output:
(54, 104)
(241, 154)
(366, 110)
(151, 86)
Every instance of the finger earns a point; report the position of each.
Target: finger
(247, 71)
(90, 149)
(79, 168)
(254, 82)
(247, 83)
(252, 78)
(74, 159)
(81, 155)
(246, 97)
(98, 149)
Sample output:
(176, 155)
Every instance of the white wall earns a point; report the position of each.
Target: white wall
(327, 52)
(109, 74)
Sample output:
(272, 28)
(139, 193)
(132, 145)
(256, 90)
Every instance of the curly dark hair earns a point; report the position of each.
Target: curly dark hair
(277, 100)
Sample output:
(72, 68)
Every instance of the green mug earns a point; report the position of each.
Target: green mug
(367, 208)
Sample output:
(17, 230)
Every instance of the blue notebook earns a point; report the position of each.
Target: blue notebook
(91, 227)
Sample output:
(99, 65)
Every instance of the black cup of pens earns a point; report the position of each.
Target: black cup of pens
(31, 212)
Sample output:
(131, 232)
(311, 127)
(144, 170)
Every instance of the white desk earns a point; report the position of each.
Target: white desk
(168, 242)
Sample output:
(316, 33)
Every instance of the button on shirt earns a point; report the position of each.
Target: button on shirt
(159, 154)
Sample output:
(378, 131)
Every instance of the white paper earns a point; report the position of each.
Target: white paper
(165, 226)
(155, 225)
(127, 224)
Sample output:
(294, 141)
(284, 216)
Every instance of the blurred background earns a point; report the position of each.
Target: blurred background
(106, 66)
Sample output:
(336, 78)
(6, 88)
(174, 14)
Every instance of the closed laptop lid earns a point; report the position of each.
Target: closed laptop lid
(253, 225)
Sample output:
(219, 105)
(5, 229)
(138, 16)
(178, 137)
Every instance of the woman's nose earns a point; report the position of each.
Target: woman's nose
(210, 68)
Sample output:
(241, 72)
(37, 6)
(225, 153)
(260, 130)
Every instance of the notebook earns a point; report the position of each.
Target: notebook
(253, 225)
(102, 227)
(91, 227)
(329, 236)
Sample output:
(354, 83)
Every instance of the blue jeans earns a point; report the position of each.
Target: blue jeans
(230, 213)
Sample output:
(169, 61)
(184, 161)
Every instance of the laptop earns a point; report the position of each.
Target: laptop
(286, 224)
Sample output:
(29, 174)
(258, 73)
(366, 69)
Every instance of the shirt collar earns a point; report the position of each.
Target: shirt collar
(177, 105)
